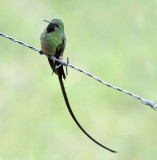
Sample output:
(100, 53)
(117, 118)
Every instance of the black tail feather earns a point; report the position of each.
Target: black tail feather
(73, 116)
(59, 71)
(52, 64)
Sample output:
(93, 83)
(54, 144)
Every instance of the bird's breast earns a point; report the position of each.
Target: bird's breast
(49, 42)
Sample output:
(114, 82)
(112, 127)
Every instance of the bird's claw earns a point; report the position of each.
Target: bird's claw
(41, 52)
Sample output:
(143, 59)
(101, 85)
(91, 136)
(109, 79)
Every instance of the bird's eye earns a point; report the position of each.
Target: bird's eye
(58, 26)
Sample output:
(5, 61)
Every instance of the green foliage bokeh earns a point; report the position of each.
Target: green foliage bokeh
(114, 40)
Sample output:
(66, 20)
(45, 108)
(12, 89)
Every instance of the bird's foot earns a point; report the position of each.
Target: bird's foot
(41, 52)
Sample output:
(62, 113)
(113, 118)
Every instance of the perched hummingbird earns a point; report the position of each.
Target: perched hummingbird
(53, 43)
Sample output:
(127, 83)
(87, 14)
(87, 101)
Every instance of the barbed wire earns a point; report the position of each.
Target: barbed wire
(144, 101)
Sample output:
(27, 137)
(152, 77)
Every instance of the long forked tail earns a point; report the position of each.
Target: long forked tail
(73, 116)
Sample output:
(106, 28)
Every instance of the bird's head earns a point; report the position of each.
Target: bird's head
(55, 25)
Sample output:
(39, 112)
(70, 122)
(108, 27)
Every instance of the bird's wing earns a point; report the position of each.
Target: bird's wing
(59, 52)
(60, 48)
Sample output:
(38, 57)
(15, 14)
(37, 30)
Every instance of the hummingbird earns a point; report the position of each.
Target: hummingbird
(53, 42)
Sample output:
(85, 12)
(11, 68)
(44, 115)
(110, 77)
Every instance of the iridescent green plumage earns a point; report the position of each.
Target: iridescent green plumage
(53, 37)
(53, 42)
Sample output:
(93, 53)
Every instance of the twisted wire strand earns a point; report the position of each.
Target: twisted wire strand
(144, 101)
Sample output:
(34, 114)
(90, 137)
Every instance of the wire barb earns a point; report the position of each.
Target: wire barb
(144, 101)
(67, 65)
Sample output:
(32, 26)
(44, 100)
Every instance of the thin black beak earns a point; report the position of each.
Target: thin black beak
(47, 21)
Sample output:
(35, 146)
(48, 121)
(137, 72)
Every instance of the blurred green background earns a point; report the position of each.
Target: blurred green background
(114, 40)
